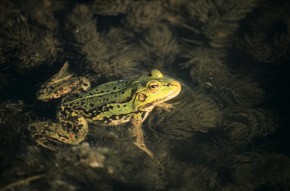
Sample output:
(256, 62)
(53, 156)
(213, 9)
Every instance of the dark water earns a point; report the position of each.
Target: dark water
(228, 129)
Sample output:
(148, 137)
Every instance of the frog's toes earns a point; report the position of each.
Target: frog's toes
(165, 106)
(37, 127)
(145, 149)
(37, 130)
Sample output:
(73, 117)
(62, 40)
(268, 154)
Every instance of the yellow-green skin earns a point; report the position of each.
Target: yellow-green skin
(111, 104)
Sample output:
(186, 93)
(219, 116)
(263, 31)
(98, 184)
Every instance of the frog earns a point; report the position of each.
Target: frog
(110, 104)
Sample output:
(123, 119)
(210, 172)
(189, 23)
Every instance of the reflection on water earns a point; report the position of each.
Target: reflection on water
(226, 131)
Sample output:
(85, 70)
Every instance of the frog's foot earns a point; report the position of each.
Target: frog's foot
(45, 133)
(166, 106)
(144, 148)
(63, 83)
(38, 131)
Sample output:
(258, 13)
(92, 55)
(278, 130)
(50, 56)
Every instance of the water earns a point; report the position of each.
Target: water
(228, 129)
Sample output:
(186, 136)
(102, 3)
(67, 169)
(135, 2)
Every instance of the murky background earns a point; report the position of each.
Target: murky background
(229, 129)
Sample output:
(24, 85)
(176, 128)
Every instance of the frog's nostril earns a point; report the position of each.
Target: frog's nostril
(169, 85)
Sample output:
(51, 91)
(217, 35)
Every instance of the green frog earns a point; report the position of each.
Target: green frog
(109, 104)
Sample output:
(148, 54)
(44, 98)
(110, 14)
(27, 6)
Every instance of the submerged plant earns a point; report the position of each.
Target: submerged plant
(111, 7)
(143, 15)
(109, 55)
(244, 125)
(242, 91)
(25, 44)
(206, 66)
(160, 46)
(270, 168)
(218, 19)
(209, 140)
(120, 57)
(197, 113)
(264, 51)
(27, 48)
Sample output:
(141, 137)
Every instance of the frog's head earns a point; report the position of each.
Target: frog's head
(155, 88)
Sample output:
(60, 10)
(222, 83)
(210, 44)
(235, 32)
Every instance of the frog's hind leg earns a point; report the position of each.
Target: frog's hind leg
(45, 133)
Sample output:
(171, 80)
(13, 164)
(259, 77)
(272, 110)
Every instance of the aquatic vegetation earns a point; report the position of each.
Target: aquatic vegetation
(4, 82)
(206, 66)
(2, 58)
(52, 45)
(27, 48)
(83, 24)
(110, 55)
(9, 111)
(221, 30)
(119, 56)
(261, 40)
(12, 131)
(143, 15)
(227, 130)
(23, 43)
(201, 177)
(260, 50)
(244, 125)
(202, 10)
(270, 171)
(197, 113)
(263, 50)
(43, 13)
(17, 40)
(111, 7)
(160, 46)
(219, 19)
(242, 91)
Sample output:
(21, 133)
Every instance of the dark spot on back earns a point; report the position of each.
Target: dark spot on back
(143, 115)
(113, 117)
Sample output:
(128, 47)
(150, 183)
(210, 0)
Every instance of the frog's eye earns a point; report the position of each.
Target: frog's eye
(153, 86)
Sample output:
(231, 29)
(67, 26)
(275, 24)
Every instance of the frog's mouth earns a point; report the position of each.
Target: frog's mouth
(172, 94)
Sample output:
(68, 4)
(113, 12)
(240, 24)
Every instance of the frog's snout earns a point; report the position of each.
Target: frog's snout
(176, 86)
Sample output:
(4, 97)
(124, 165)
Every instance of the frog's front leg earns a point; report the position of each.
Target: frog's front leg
(70, 131)
(166, 106)
(137, 134)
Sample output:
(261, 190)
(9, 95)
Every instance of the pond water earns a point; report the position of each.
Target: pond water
(226, 130)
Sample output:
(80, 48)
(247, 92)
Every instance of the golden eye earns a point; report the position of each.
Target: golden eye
(153, 86)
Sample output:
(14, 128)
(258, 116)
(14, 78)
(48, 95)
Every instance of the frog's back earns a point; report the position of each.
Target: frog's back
(112, 92)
